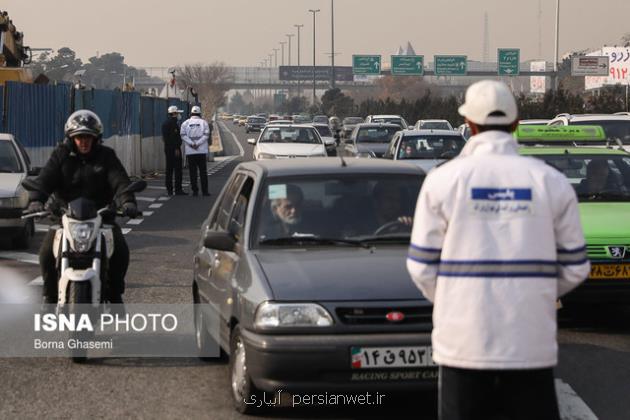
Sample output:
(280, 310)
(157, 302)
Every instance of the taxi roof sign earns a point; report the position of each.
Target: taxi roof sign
(554, 134)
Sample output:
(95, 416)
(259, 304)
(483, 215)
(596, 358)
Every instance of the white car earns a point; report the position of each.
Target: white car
(464, 130)
(387, 119)
(14, 167)
(327, 137)
(616, 126)
(433, 125)
(425, 148)
(288, 141)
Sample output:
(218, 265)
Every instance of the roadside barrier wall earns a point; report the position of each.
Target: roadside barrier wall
(35, 115)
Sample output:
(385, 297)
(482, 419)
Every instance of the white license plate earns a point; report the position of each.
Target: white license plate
(391, 357)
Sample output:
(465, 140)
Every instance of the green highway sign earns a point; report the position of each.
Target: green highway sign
(366, 64)
(407, 65)
(508, 61)
(450, 65)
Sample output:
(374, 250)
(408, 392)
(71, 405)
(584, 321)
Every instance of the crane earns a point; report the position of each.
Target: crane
(13, 54)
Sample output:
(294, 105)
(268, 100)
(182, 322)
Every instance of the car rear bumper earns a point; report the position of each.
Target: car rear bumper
(301, 363)
(600, 292)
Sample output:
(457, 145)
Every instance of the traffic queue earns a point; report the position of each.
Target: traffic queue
(310, 253)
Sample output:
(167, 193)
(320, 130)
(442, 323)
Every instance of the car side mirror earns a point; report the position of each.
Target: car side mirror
(34, 171)
(219, 240)
(251, 141)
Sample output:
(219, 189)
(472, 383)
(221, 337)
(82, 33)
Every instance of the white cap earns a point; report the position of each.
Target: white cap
(489, 103)
(195, 110)
(173, 109)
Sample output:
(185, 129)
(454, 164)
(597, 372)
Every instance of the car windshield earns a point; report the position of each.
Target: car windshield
(352, 120)
(396, 121)
(290, 135)
(435, 125)
(301, 119)
(320, 119)
(614, 129)
(430, 147)
(328, 208)
(324, 131)
(595, 177)
(9, 161)
(376, 134)
(256, 120)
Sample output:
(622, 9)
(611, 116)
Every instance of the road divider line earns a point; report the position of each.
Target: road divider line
(37, 281)
(20, 256)
(147, 213)
(164, 198)
(155, 187)
(151, 199)
(238, 144)
(125, 231)
(134, 221)
(571, 405)
(155, 206)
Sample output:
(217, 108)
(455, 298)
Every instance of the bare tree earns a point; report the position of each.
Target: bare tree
(211, 82)
(625, 40)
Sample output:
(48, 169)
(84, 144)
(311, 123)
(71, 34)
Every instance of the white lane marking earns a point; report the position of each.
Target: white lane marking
(155, 206)
(572, 407)
(134, 221)
(164, 198)
(155, 187)
(20, 256)
(240, 148)
(37, 281)
(41, 228)
(147, 213)
(125, 231)
(151, 199)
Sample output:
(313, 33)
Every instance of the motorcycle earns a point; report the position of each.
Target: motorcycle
(82, 246)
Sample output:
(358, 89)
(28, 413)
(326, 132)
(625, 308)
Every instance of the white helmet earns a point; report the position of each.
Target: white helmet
(195, 110)
(173, 110)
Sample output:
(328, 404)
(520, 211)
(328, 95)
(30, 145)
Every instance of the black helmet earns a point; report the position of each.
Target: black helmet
(84, 122)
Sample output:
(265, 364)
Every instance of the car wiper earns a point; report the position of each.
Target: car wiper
(303, 239)
(386, 238)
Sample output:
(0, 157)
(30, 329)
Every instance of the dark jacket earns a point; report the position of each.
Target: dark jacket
(170, 135)
(97, 176)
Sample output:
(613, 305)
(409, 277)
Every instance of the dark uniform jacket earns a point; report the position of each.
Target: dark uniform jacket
(170, 135)
(98, 176)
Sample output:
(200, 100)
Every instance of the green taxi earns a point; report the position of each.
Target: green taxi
(601, 178)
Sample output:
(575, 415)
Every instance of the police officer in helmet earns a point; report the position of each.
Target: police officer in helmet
(82, 167)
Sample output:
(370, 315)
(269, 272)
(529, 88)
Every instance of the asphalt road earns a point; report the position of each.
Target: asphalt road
(593, 374)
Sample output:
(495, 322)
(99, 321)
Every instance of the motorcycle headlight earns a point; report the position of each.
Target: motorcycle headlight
(81, 235)
(291, 315)
(266, 156)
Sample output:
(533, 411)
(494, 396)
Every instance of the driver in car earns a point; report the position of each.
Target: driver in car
(596, 180)
(287, 214)
(388, 211)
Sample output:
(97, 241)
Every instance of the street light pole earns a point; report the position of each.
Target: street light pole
(555, 60)
(332, 26)
(298, 57)
(275, 50)
(314, 12)
(282, 46)
(289, 36)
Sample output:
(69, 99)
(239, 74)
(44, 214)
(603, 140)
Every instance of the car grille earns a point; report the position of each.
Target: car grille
(601, 251)
(377, 316)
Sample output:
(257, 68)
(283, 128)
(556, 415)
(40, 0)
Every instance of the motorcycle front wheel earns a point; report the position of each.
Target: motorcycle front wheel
(79, 301)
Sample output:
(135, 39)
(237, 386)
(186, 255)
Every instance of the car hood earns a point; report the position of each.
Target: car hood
(291, 149)
(424, 164)
(338, 273)
(605, 220)
(378, 148)
(9, 184)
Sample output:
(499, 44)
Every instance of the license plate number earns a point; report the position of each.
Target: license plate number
(394, 357)
(610, 271)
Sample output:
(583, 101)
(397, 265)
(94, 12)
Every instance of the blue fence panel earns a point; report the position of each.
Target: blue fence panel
(160, 109)
(1, 109)
(147, 125)
(106, 104)
(130, 115)
(36, 114)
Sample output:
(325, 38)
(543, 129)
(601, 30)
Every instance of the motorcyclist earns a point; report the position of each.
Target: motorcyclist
(82, 167)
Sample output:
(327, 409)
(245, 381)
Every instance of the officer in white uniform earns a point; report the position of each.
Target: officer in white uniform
(497, 240)
(195, 134)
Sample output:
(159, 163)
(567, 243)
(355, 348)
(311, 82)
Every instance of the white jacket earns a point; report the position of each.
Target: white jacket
(496, 240)
(195, 131)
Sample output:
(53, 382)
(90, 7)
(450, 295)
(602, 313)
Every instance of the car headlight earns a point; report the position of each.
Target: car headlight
(266, 156)
(291, 315)
(81, 235)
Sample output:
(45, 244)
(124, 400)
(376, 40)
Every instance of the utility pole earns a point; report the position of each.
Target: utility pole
(314, 12)
(275, 50)
(282, 46)
(298, 56)
(332, 27)
(555, 60)
(289, 36)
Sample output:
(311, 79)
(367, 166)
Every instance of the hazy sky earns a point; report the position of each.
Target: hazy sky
(243, 32)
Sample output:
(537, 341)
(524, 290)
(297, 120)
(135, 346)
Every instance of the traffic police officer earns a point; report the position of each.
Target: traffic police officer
(496, 241)
(195, 133)
(172, 151)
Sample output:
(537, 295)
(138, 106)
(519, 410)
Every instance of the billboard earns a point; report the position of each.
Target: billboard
(322, 73)
(537, 84)
(618, 69)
